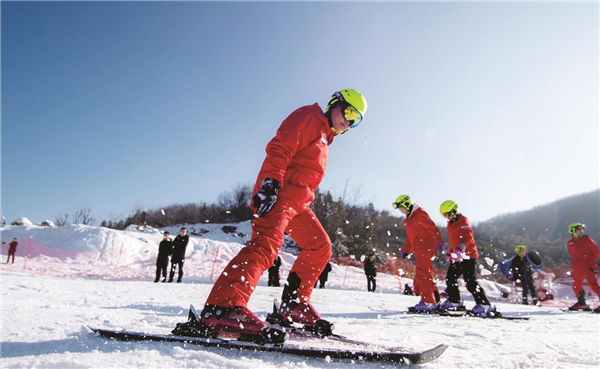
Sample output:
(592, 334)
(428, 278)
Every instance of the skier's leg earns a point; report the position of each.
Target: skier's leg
(454, 271)
(471, 280)
(374, 283)
(592, 281)
(311, 237)
(239, 279)
(578, 277)
(424, 279)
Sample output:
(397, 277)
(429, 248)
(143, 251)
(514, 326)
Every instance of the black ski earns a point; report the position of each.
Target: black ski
(420, 357)
(456, 314)
(469, 313)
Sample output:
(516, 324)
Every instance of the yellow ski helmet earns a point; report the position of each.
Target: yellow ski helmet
(448, 208)
(519, 248)
(354, 99)
(575, 226)
(402, 201)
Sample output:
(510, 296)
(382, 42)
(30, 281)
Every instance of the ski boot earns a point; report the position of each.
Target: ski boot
(291, 311)
(596, 310)
(229, 323)
(580, 305)
(423, 308)
(484, 310)
(525, 301)
(452, 306)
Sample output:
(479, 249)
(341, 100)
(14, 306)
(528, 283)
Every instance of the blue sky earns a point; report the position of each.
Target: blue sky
(115, 105)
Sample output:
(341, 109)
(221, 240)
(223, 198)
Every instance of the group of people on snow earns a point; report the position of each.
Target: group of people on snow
(174, 249)
(295, 163)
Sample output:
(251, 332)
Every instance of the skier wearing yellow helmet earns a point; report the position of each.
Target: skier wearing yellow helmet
(423, 239)
(522, 272)
(584, 254)
(291, 172)
(462, 256)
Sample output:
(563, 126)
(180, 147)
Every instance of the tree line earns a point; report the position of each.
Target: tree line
(359, 229)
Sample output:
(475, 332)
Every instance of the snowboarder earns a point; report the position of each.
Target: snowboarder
(371, 273)
(294, 166)
(12, 249)
(522, 271)
(423, 239)
(165, 249)
(178, 258)
(462, 255)
(584, 255)
(274, 273)
(324, 275)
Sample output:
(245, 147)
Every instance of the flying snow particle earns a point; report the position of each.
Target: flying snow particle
(489, 261)
(162, 211)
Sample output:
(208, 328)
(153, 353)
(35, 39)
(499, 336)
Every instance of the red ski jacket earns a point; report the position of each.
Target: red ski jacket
(422, 235)
(297, 156)
(584, 252)
(459, 231)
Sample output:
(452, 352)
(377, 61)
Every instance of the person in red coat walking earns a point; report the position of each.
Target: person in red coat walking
(584, 256)
(462, 256)
(423, 239)
(294, 166)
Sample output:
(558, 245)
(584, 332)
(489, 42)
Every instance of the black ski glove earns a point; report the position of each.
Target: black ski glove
(266, 197)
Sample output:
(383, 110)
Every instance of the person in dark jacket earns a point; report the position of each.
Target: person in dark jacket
(12, 249)
(165, 249)
(179, 246)
(521, 271)
(371, 273)
(274, 272)
(407, 290)
(324, 275)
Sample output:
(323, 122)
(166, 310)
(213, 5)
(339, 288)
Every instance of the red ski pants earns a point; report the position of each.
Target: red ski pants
(239, 279)
(423, 281)
(581, 273)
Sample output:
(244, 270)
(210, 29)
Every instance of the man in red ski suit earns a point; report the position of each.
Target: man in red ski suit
(584, 254)
(294, 166)
(423, 239)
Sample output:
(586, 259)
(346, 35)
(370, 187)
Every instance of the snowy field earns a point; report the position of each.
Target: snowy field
(45, 314)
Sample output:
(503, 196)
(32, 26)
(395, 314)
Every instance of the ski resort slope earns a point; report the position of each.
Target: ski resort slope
(45, 315)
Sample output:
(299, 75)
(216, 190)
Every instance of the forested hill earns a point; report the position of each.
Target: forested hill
(548, 223)
(544, 228)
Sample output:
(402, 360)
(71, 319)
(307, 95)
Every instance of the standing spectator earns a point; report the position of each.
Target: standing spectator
(165, 249)
(522, 272)
(407, 290)
(424, 240)
(274, 272)
(371, 273)
(462, 256)
(179, 246)
(323, 276)
(584, 254)
(12, 249)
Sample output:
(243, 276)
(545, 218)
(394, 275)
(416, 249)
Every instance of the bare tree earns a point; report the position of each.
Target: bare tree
(84, 215)
(61, 219)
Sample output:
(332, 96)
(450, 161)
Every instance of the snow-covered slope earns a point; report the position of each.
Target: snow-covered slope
(44, 313)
